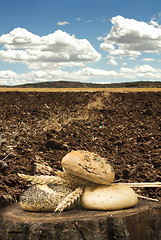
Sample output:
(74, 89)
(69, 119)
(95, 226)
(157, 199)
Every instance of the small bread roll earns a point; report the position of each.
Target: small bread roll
(88, 166)
(44, 197)
(113, 197)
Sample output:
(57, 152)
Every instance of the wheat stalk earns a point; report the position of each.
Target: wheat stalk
(147, 198)
(74, 180)
(44, 179)
(69, 199)
(143, 184)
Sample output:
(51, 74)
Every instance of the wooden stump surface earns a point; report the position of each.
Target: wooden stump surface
(142, 222)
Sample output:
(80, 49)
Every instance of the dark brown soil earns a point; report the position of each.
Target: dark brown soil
(123, 127)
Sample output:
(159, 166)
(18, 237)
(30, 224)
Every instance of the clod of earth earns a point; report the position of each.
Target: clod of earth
(130, 138)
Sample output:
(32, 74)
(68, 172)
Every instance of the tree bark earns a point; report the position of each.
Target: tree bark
(142, 222)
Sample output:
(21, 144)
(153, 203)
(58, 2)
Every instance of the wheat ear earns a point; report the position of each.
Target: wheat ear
(69, 199)
(44, 179)
(74, 181)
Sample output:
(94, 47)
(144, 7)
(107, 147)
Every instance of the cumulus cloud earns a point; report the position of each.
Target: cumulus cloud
(156, 19)
(148, 59)
(62, 23)
(46, 56)
(143, 72)
(11, 78)
(7, 76)
(53, 51)
(154, 23)
(107, 47)
(129, 37)
(112, 62)
(87, 73)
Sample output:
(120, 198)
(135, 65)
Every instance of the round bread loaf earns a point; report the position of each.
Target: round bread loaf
(88, 166)
(44, 197)
(115, 197)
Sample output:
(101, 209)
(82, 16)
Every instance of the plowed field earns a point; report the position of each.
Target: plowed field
(44, 126)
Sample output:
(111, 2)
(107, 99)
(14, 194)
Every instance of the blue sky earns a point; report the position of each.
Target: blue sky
(86, 40)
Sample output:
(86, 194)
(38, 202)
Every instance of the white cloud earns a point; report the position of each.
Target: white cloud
(53, 51)
(112, 62)
(143, 72)
(155, 19)
(7, 77)
(133, 58)
(148, 59)
(6, 74)
(87, 73)
(130, 37)
(46, 56)
(62, 23)
(99, 38)
(125, 52)
(107, 47)
(88, 21)
(103, 82)
(154, 23)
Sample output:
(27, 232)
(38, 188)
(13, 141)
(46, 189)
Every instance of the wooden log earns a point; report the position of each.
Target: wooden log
(142, 222)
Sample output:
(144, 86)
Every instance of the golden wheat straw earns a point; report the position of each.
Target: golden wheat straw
(69, 180)
(70, 199)
(44, 179)
(74, 180)
(143, 184)
(147, 198)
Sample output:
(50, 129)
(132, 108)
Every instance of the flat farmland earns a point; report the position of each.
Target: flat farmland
(42, 125)
(80, 89)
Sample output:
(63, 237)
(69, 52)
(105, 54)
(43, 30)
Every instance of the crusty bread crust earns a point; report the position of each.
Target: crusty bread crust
(43, 197)
(114, 197)
(88, 166)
